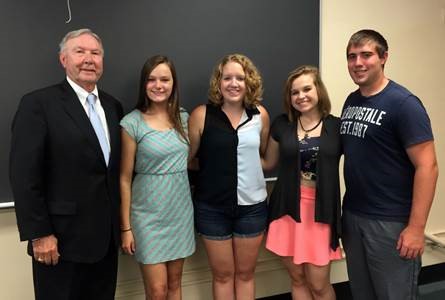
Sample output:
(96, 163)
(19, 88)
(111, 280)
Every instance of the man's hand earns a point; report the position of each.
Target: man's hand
(411, 242)
(45, 250)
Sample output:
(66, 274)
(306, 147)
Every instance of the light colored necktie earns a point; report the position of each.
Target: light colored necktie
(98, 128)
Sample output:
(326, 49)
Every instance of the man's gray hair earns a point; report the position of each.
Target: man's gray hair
(76, 33)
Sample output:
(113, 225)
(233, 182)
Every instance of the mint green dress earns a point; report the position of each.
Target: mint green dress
(161, 212)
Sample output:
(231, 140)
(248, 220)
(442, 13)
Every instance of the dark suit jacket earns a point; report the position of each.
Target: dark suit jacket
(60, 182)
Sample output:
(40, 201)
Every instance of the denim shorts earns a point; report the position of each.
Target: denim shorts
(223, 223)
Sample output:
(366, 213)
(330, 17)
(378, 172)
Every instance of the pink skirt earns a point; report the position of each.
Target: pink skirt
(306, 242)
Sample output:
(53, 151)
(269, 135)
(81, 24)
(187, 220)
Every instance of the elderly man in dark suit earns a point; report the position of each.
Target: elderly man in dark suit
(64, 173)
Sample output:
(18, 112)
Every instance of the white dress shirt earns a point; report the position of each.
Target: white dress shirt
(82, 95)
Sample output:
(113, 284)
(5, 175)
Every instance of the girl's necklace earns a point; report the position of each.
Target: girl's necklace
(306, 131)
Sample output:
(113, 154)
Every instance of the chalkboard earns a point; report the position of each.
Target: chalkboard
(277, 35)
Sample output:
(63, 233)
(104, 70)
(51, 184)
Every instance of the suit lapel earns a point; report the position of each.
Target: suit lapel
(77, 113)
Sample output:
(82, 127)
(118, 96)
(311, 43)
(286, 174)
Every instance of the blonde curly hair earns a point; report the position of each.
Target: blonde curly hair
(254, 83)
